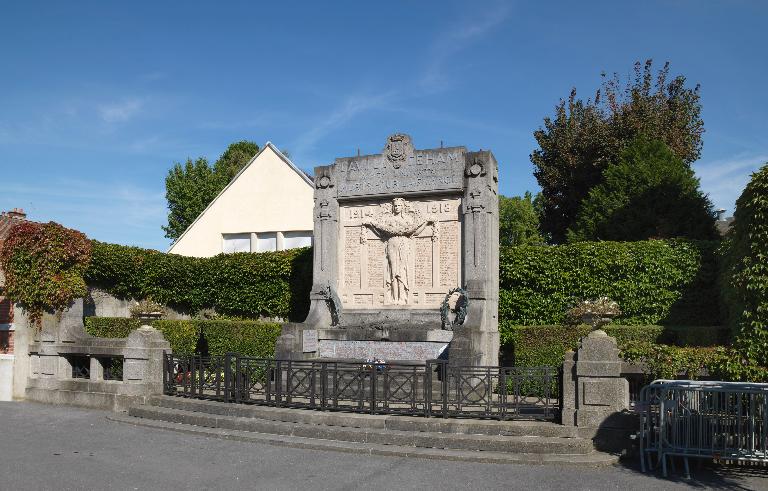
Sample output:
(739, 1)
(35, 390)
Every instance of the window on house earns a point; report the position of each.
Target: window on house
(266, 241)
(236, 243)
(292, 240)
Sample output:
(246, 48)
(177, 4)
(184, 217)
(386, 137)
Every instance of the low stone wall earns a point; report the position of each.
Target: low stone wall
(98, 303)
(68, 366)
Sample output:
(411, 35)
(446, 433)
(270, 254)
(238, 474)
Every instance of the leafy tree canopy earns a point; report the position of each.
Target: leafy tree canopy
(746, 271)
(650, 193)
(189, 188)
(233, 159)
(584, 138)
(518, 221)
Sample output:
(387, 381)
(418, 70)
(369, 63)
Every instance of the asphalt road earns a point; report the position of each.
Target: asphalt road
(48, 447)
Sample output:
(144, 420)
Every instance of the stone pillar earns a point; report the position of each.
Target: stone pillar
(594, 392)
(143, 359)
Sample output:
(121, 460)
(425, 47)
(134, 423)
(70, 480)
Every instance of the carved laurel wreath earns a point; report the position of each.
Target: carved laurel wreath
(333, 302)
(461, 311)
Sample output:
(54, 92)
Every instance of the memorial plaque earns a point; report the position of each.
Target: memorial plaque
(449, 254)
(352, 257)
(393, 251)
(376, 263)
(423, 264)
(309, 340)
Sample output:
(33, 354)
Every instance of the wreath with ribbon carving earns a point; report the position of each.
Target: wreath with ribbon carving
(461, 309)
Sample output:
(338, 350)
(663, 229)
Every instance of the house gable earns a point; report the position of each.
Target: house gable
(270, 194)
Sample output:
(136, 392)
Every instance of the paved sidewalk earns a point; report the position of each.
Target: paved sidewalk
(48, 447)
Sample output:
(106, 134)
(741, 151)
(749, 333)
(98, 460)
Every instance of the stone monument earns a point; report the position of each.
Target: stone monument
(406, 259)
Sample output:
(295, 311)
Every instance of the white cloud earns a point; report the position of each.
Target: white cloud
(349, 109)
(725, 179)
(118, 112)
(449, 45)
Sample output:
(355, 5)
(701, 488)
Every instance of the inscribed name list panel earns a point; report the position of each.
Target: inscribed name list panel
(401, 253)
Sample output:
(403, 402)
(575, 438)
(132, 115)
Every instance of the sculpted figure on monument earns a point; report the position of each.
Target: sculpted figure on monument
(397, 228)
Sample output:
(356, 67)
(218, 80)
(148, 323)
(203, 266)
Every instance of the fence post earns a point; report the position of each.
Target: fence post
(444, 384)
(166, 385)
(323, 385)
(278, 382)
(228, 379)
(428, 388)
(373, 387)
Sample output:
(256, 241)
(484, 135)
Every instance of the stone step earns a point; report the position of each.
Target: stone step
(377, 421)
(381, 436)
(593, 459)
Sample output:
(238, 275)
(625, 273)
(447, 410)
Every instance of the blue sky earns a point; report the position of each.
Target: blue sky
(99, 99)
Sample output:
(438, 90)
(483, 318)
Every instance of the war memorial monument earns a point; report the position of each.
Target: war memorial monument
(406, 259)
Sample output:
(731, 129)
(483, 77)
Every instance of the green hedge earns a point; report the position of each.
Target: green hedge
(654, 281)
(270, 284)
(546, 345)
(746, 269)
(249, 338)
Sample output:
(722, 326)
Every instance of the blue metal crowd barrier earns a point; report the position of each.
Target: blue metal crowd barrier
(712, 420)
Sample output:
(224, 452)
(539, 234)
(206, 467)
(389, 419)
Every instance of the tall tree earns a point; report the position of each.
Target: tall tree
(518, 221)
(190, 188)
(649, 193)
(233, 159)
(586, 137)
(746, 269)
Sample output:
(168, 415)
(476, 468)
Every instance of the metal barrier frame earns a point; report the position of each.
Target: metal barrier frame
(434, 389)
(703, 419)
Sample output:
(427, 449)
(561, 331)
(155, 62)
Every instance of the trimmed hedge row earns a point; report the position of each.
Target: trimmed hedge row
(272, 284)
(664, 351)
(654, 282)
(249, 338)
(546, 345)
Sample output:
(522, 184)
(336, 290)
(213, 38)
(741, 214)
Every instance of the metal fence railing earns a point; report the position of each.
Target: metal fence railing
(431, 389)
(714, 420)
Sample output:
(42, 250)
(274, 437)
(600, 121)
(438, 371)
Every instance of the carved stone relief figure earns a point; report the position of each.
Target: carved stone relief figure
(397, 229)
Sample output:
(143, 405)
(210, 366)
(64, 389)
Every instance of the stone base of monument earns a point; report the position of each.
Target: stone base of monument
(389, 343)
(473, 440)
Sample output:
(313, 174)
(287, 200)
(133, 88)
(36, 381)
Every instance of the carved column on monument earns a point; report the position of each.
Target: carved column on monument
(477, 343)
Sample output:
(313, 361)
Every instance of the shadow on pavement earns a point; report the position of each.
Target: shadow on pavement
(706, 474)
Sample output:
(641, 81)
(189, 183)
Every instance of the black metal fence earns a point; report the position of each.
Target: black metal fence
(433, 389)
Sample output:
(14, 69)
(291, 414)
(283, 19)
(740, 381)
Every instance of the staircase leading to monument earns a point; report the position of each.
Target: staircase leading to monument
(437, 438)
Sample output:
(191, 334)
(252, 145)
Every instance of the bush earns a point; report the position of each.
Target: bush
(43, 265)
(746, 270)
(671, 362)
(248, 338)
(654, 281)
(269, 284)
(546, 345)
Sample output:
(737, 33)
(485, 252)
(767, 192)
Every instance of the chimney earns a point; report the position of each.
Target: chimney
(17, 213)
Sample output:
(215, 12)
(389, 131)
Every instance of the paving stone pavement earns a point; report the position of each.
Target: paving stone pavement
(47, 447)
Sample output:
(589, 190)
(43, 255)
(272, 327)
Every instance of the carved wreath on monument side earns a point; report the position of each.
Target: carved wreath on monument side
(456, 302)
(397, 227)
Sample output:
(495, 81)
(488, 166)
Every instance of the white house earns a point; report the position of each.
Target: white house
(266, 207)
